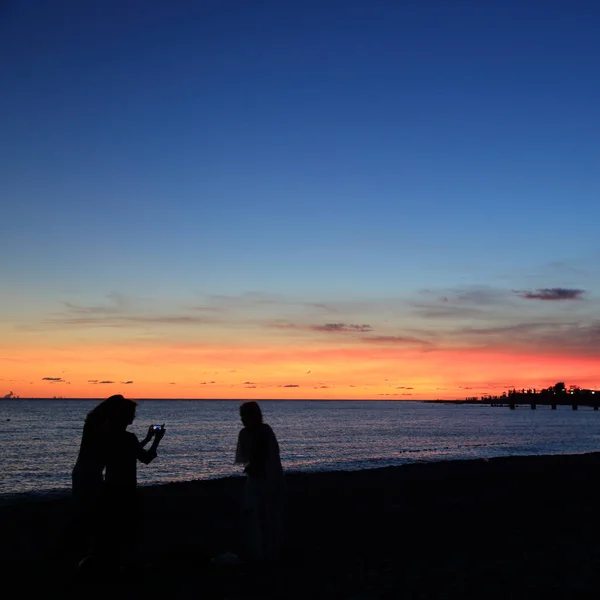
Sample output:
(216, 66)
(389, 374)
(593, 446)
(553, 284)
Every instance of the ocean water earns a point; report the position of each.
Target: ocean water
(39, 439)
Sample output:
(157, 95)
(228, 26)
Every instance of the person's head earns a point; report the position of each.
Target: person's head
(117, 412)
(250, 414)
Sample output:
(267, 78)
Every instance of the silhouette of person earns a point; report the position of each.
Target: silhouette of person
(258, 450)
(109, 502)
(88, 478)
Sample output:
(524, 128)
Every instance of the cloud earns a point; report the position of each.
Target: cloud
(257, 300)
(343, 328)
(249, 387)
(120, 312)
(118, 303)
(396, 339)
(290, 385)
(545, 337)
(126, 382)
(447, 310)
(210, 309)
(124, 321)
(106, 381)
(55, 379)
(404, 387)
(551, 294)
(514, 328)
(460, 302)
(92, 381)
(472, 295)
(249, 383)
(326, 327)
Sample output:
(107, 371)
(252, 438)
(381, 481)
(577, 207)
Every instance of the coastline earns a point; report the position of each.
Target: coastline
(506, 527)
(63, 493)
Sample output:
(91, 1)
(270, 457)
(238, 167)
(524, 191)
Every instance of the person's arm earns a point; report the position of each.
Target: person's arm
(148, 437)
(240, 450)
(147, 456)
(257, 453)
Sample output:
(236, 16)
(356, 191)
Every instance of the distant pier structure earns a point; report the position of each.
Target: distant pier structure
(573, 405)
(554, 396)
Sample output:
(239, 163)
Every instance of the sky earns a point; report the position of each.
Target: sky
(307, 199)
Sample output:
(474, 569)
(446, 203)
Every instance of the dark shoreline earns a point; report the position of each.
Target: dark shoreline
(507, 527)
(9, 498)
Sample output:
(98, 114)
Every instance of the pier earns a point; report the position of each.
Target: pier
(554, 396)
(534, 405)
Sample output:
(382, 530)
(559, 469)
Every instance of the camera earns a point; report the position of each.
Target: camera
(157, 427)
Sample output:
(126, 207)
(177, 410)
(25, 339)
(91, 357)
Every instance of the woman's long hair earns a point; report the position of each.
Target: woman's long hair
(251, 411)
(115, 409)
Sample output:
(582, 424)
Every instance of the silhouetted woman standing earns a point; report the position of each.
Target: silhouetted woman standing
(105, 479)
(258, 451)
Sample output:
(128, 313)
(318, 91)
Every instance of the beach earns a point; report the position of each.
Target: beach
(513, 527)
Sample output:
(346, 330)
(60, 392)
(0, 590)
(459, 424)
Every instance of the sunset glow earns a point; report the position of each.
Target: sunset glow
(73, 356)
(376, 202)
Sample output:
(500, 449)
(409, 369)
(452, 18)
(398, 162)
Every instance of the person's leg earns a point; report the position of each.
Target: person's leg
(253, 546)
(273, 529)
(128, 525)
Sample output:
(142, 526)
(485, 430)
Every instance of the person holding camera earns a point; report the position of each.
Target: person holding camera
(110, 501)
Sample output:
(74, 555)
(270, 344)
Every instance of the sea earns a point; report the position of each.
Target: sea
(39, 439)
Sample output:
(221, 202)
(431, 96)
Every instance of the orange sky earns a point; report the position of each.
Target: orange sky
(334, 364)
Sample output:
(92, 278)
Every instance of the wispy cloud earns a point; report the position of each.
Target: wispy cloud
(253, 300)
(527, 328)
(557, 293)
(53, 379)
(448, 311)
(290, 385)
(397, 339)
(342, 328)
(125, 321)
(464, 302)
(120, 311)
(117, 303)
(326, 327)
(545, 337)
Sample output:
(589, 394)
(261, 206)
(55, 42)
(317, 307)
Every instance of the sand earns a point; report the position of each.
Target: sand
(517, 527)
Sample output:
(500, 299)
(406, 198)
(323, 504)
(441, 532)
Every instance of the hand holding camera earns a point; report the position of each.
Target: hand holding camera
(158, 431)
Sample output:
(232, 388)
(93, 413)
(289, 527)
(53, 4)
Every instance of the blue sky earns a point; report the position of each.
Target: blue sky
(328, 151)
